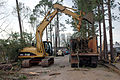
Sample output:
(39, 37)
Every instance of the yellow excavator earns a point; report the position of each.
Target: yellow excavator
(42, 53)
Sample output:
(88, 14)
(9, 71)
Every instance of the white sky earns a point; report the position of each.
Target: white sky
(14, 26)
(13, 21)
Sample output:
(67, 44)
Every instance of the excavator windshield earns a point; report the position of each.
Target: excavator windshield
(48, 47)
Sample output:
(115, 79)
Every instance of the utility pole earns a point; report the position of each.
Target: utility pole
(110, 31)
(19, 19)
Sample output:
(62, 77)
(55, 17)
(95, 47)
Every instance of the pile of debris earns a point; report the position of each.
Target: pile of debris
(80, 45)
(10, 66)
(5, 67)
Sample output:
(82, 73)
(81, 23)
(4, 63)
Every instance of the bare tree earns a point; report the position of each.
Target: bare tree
(19, 19)
(3, 16)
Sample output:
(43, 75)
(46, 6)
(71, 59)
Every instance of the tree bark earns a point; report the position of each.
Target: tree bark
(19, 19)
(58, 38)
(50, 32)
(110, 32)
(55, 41)
(104, 33)
(93, 29)
(88, 30)
(46, 27)
(56, 35)
(100, 32)
(46, 34)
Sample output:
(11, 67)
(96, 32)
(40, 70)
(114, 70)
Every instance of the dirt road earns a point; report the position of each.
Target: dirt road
(61, 70)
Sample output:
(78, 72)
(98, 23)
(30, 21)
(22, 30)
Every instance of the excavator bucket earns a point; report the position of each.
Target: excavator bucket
(89, 17)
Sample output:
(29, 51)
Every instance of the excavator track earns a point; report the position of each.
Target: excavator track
(47, 61)
(26, 63)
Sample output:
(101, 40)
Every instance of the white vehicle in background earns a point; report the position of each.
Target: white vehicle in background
(60, 53)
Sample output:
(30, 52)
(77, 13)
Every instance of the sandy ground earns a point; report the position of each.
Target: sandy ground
(61, 70)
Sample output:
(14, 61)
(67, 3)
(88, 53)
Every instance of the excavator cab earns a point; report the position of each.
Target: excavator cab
(48, 47)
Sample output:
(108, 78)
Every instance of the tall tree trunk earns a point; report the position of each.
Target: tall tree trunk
(19, 19)
(93, 29)
(110, 32)
(55, 51)
(56, 35)
(58, 38)
(88, 30)
(50, 32)
(53, 39)
(46, 27)
(100, 32)
(46, 34)
(104, 31)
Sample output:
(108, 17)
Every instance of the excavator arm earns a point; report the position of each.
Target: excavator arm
(40, 29)
(48, 18)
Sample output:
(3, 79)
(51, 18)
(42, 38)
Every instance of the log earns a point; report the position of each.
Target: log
(54, 74)
(5, 67)
(80, 45)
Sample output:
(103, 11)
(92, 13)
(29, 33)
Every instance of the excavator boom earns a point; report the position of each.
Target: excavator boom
(50, 16)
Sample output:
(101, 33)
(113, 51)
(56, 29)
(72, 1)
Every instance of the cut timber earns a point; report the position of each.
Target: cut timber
(112, 67)
(84, 52)
(5, 66)
(54, 74)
